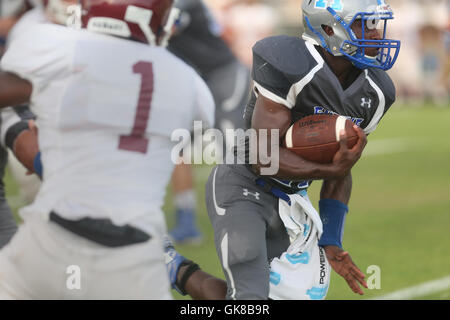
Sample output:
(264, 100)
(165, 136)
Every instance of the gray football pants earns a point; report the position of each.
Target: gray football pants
(248, 231)
(8, 226)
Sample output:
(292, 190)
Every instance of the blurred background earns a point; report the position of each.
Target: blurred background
(422, 71)
(399, 217)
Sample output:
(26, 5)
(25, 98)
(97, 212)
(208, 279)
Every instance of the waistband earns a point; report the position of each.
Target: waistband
(276, 191)
(102, 231)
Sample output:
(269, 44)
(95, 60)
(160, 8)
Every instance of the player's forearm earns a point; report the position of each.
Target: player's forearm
(203, 286)
(25, 149)
(333, 208)
(337, 189)
(14, 91)
(293, 167)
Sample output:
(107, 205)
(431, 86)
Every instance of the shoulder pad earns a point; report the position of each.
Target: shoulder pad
(288, 55)
(384, 81)
(278, 64)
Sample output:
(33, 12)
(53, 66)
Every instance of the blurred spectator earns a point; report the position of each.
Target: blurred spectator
(245, 23)
(446, 76)
(422, 71)
(290, 12)
(433, 61)
(406, 72)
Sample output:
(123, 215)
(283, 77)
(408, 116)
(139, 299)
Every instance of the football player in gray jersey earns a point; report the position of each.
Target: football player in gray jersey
(337, 67)
(198, 41)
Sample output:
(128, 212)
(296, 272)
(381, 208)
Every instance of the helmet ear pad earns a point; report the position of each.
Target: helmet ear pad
(328, 30)
(333, 36)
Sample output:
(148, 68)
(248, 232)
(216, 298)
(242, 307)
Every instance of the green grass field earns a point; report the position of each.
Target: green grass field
(399, 214)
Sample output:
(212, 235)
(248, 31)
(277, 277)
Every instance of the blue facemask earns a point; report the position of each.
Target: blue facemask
(388, 49)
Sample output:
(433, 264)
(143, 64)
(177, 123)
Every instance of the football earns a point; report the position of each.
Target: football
(316, 138)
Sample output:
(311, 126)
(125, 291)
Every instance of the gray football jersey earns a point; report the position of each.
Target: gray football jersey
(292, 72)
(198, 41)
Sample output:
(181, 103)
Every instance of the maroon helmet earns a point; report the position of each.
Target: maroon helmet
(147, 21)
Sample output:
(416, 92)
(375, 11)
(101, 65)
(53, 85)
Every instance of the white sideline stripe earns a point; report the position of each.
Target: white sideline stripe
(387, 146)
(421, 290)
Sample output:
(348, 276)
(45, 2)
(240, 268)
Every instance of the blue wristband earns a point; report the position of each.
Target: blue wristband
(332, 214)
(37, 165)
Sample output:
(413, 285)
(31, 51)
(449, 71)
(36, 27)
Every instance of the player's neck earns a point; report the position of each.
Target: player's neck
(344, 70)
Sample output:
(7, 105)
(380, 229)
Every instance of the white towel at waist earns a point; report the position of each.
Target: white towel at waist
(303, 271)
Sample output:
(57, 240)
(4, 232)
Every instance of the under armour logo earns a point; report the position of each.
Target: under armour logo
(247, 193)
(366, 102)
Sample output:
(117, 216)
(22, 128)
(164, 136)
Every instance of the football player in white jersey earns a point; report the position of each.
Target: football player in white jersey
(106, 109)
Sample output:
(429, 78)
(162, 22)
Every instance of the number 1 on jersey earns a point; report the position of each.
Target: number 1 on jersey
(136, 141)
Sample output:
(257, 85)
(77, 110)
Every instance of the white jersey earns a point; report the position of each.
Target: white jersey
(106, 109)
(29, 20)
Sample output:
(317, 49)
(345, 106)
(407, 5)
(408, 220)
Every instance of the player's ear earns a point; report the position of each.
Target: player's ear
(328, 30)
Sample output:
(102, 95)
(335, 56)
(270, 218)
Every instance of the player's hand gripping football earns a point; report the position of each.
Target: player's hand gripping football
(342, 263)
(345, 158)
